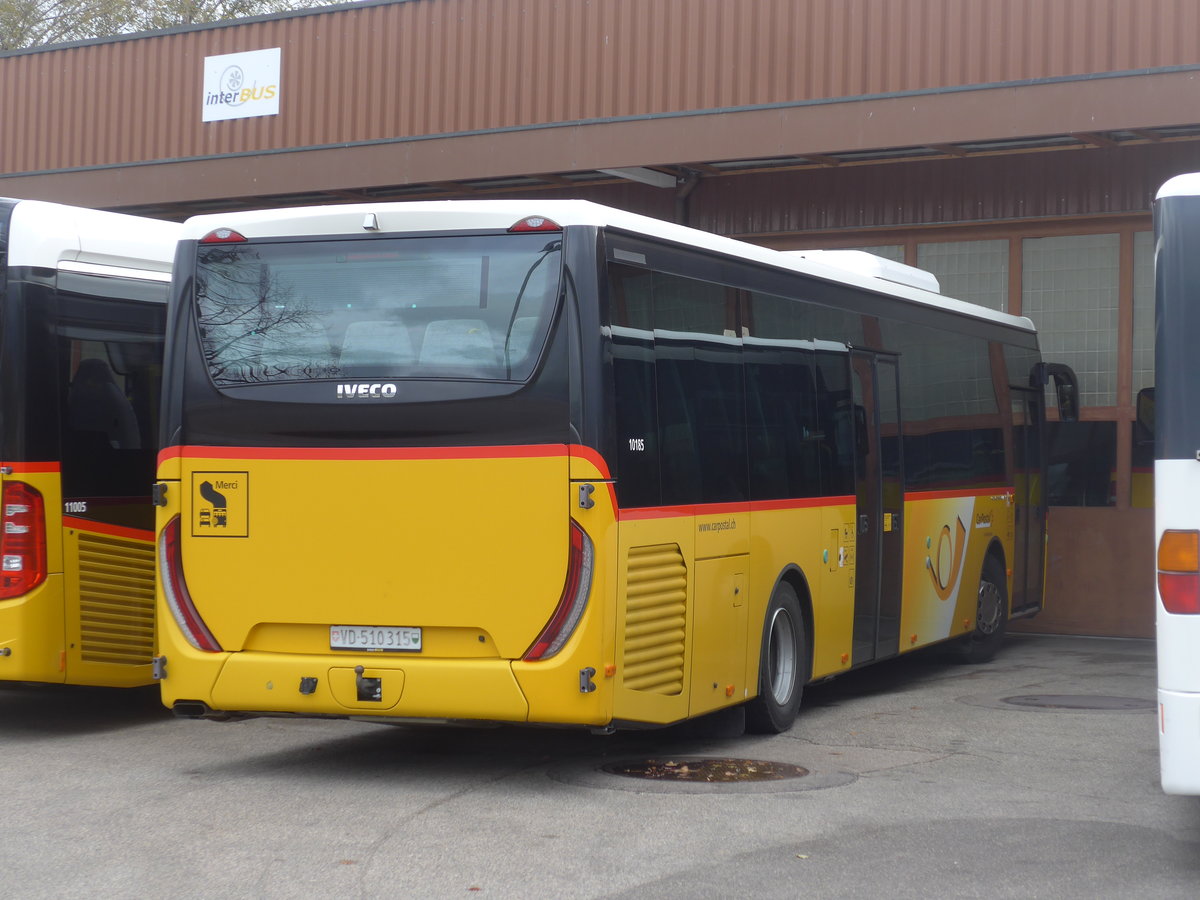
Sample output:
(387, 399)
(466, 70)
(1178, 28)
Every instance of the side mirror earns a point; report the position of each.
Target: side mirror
(1066, 388)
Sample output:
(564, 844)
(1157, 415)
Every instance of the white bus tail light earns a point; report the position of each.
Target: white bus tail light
(22, 540)
(573, 601)
(1179, 572)
(170, 564)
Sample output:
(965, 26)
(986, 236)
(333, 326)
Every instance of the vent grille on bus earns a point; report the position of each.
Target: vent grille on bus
(116, 600)
(655, 619)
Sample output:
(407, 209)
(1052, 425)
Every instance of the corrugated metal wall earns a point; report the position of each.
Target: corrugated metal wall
(1059, 184)
(424, 67)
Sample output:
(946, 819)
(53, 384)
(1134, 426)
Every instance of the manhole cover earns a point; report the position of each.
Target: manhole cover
(722, 770)
(1079, 701)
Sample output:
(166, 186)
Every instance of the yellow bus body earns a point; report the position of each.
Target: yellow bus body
(91, 622)
(673, 625)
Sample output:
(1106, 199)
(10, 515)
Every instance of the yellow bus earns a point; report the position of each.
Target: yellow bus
(82, 313)
(550, 462)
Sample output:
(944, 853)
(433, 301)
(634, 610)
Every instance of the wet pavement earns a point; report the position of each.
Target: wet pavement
(1035, 775)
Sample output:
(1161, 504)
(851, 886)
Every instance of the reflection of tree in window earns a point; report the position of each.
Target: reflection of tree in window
(252, 326)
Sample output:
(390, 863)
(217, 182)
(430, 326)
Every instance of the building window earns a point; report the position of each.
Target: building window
(975, 271)
(1070, 289)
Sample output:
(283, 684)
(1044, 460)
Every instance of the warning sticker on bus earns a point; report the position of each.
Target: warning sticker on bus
(220, 504)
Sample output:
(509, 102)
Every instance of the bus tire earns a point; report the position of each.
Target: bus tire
(991, 616)
(782, 666)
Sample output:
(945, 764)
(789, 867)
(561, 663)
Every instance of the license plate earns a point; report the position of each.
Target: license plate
(374, 637)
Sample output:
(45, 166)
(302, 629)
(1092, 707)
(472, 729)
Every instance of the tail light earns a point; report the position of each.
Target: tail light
(170, 564)
(534, 223)
(223, 236)
(1179, 572)
(573, 601)
(23, 540)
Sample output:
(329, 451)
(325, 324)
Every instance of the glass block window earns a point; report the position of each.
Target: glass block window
(1143, 310)
(975, 271)
(1070, 291)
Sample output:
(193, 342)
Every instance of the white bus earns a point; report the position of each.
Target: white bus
(1172, 410)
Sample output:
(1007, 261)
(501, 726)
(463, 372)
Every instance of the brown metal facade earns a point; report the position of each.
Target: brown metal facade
(1068, 184)
(417, 68)
(790, 122)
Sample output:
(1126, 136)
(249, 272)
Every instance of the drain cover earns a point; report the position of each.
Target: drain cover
(721, 770)
(1079, 701)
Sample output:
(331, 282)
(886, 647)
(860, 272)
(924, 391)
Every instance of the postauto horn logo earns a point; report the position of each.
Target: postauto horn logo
(241, 85)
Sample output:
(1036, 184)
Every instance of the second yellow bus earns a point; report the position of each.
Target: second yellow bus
(550, 462)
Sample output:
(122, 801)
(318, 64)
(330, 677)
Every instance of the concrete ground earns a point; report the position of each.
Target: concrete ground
(1035, 775)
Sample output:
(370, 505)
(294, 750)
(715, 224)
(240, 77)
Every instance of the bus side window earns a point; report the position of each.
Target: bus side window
(109, 360)
(834, 406)
(635, 398)
(97, 407)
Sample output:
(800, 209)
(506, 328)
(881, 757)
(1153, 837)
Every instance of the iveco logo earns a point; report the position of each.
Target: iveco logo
(364, 390)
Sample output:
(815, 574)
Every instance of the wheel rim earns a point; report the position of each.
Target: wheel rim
(991, 608)
(781, 657)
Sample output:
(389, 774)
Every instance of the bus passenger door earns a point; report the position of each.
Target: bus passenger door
(1029, 520)
(879, 491)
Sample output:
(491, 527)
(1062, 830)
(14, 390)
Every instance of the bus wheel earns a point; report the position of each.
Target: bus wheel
(991, 616)
(782, 666)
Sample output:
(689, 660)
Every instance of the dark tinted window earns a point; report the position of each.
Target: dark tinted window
(634, 389)
(835, 413)
(789, 446)
(449, 307)
(679, 392)
(110, 368)
(701, 396)
(779, 317)
(953, 435)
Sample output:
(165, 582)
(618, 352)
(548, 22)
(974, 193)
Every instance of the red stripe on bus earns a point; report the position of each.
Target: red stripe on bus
(587, 453)
(137, 534)
(32, 468)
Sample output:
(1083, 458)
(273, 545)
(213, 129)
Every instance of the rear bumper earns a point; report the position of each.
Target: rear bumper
(387, 686)
(1179, 741)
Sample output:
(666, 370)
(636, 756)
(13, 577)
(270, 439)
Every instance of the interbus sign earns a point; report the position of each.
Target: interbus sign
(241, 85)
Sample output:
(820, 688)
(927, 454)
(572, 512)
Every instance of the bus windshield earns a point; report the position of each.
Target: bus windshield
(460, 307)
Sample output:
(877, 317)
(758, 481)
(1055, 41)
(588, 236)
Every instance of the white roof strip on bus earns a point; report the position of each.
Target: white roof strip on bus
(47, 234)
(874, 266)
(1187, 185)
(464, 215)
(83, 268)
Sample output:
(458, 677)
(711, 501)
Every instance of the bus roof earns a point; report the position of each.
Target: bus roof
(1187, 185)
(53, 234)
(454, 215)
